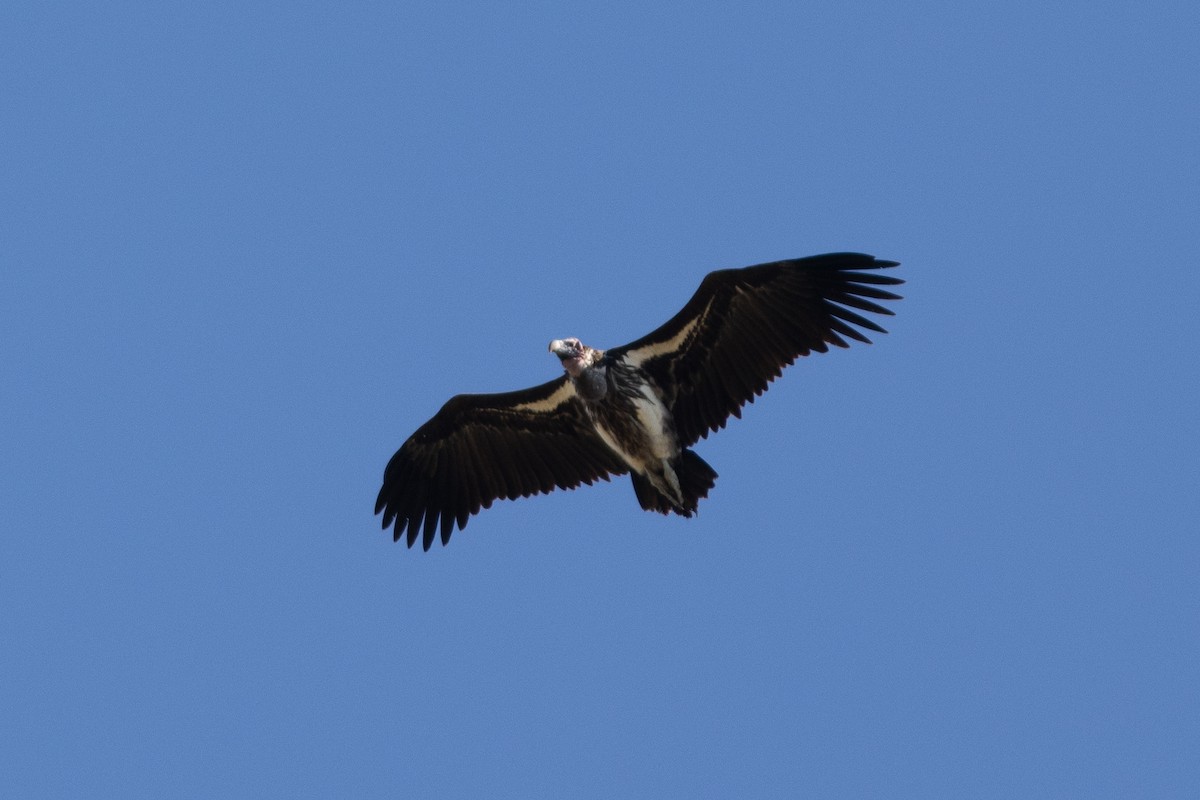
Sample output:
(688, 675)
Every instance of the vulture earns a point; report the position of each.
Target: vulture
(637, 408)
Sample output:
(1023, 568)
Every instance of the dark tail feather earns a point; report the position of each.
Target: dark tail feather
(696, 477)
(648, 496)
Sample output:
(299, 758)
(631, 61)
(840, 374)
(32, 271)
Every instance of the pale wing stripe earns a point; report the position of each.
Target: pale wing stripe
(655, 349)
(561, 395)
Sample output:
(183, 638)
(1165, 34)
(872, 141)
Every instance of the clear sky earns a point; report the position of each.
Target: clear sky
(246, 249)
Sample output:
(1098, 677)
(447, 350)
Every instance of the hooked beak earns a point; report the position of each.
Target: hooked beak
(563, 350)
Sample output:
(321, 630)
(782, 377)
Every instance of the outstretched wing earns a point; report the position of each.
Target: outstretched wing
(743, 326)
(484, 447)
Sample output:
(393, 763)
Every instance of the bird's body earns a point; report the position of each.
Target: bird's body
(625, 408)
(636, 408)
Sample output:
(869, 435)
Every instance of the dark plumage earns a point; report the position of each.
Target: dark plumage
(636, 408)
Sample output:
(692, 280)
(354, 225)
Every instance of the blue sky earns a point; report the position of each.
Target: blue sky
(248, 248)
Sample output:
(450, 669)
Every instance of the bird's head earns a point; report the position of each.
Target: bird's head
(574, 355)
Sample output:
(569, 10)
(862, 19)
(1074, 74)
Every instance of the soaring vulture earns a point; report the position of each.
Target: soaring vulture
(635, 408)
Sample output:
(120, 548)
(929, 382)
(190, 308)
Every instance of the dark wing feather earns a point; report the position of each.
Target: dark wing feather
(484, 447)
(743, 326)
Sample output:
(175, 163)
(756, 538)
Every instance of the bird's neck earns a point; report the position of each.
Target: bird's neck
(591, 383)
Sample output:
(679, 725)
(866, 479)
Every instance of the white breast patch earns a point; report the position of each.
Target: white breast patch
(652, 416)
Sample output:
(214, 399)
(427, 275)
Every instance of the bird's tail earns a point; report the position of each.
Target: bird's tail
(695, 476)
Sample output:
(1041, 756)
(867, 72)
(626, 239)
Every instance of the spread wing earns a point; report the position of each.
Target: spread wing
(743, 326)
(484, 447)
